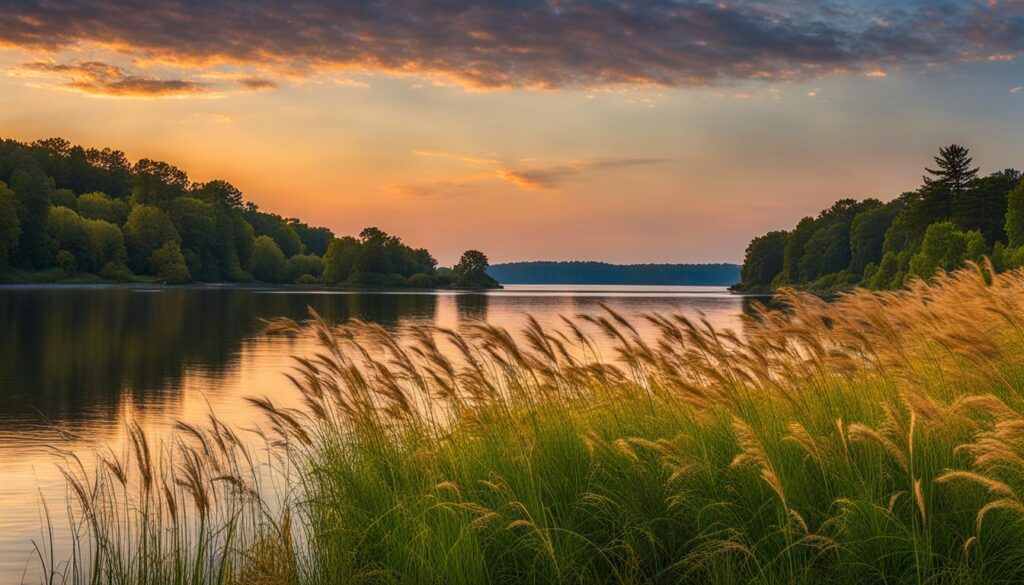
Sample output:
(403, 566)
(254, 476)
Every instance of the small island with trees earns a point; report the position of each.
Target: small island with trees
(81, 215)
(954, 217)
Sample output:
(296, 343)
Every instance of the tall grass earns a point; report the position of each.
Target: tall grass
(875, 438)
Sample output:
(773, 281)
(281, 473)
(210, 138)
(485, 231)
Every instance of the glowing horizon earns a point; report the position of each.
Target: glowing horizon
(664, 131)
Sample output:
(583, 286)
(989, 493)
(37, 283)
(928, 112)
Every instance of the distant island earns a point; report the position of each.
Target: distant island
(70, 214)
(584, 272)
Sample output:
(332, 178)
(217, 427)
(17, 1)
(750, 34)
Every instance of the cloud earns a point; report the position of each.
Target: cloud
(97, 78)
(1016, 90)
(105, 79)
(534, 44)
(553, 176)
(535, 178)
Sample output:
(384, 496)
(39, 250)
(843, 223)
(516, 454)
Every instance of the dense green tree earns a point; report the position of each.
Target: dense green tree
(945, 248)
(827, 251)
(66, 230)
(471, 271)
(794, 252)
(314, 239)
(147, 229)
(172, 227)
(304, 265)
(268, 262)
(158, 182)
(105, 245)
(168, 263)
(34, 191)
(97, 205)
(341, 259)
(1015, 216)
(275, 226)
(982, 205)
(867, 234)
(218, 192)
(954, 173)
(64, 198)
(764, 260)
(201, 241)
(10, 226)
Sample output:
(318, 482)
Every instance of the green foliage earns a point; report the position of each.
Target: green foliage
(422, 281)
(341, 259)
(314, 239)
(64, 198)
(116, 271)
(268, 262)
(1015, 216)
(98, 205)
(126, 214)
(169, 264)
(66, 261)
(867, 234)
(946, 248)
(34, 191)
(304, 265)
(66, 230)
(10, 226)
(954, 217)
(105, 245)
(275, 226)
(983, 205)
(471, 271)
(148, 229)
(764, 260)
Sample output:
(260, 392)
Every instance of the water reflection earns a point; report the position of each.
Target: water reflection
(85, 359)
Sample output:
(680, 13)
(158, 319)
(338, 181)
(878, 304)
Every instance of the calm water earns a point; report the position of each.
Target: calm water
(83, 360)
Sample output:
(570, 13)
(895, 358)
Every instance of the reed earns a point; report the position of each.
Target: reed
(875, 438)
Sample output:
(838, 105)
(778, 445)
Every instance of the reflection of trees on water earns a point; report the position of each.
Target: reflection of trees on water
(65, 352)
(471, 306)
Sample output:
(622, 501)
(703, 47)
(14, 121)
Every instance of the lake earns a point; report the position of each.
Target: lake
(77, 362)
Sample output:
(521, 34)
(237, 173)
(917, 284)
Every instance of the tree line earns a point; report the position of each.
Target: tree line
(585, 272)
(74, 213)
(953, 217)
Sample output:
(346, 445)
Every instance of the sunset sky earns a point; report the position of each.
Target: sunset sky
(626, 131)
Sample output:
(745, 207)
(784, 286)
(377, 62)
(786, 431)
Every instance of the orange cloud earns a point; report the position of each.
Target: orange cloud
(103, 79)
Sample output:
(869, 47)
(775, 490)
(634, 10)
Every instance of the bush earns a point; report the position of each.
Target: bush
(117, 271)
(304, 265)
(66, 261)
(946, 248)
(169, 263)
(422, 281)
(147, 229)
(268, 263)
(307, 279)
(97, 205)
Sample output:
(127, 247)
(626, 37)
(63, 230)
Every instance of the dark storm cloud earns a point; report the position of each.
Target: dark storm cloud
(531, 43)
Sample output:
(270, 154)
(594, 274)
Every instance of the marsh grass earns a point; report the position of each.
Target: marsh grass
(875, 438)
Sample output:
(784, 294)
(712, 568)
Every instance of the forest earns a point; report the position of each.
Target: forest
(955, 216)
(75, 214)
(580, 272)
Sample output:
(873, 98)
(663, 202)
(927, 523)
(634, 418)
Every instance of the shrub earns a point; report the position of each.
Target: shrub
(117, 271)
(304, 265)
(169, 263)
(422, 281)
(268, 263)
(66, 261)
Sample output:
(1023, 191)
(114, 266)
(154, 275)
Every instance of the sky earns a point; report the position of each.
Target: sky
(625, 131)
